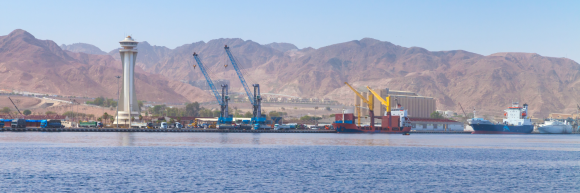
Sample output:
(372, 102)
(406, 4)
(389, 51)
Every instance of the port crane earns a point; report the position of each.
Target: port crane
(257, 120)
(14, 107)
(463, 110)
(225, 117)
(369, 102)
(386, 103)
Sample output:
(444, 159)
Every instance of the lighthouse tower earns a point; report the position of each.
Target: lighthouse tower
(128, 106)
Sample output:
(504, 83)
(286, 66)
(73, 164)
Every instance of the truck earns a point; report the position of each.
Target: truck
(89, 124)
(18, 123)
(178, 125)
(68, 124)
(163, 125)
(139, 125)
(284, 126)
(51, 124)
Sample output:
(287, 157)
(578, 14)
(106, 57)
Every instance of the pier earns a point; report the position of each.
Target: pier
(160, 130)
(35, 129)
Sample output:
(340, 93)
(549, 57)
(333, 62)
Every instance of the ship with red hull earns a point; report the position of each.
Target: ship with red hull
(352, 128)
(394, 122)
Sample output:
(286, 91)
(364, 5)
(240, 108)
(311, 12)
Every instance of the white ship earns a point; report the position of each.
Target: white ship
(556, 127)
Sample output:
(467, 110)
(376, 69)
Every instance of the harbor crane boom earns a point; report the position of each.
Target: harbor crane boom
(255, 99)
(463, 110)
(369, 102)
(15, 106)
(386, 102)
(222, 99)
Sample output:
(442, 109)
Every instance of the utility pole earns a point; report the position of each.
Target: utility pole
(130, 115)
(117, 116)
(72, 115)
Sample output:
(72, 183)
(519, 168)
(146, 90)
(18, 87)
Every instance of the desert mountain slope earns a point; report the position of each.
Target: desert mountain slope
(488, 83)
(147, 55)
(41, 66)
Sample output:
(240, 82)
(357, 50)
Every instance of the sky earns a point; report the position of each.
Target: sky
(549, 28)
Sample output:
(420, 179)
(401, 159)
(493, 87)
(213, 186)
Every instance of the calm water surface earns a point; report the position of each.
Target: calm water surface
(120, 162)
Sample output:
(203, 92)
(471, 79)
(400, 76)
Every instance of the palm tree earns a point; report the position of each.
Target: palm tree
(105, 117)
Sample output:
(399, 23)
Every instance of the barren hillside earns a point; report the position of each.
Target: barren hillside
(41, 66)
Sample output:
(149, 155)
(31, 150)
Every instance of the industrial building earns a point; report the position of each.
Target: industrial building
(563, 116)
(417, 106)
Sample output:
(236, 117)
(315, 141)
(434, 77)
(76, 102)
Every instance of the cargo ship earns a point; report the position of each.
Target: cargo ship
(516, 121)
(393, 121)
(396, 121)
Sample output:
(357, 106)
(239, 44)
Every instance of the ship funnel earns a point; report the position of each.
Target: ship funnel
(525, 111)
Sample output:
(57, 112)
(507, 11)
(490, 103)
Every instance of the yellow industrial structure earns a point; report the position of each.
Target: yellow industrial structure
(416, 106)
(369, 102)
(386, 102)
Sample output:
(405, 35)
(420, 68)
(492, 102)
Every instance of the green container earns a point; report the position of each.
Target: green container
(88, 124)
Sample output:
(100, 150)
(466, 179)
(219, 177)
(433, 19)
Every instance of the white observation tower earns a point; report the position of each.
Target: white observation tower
(128, 106)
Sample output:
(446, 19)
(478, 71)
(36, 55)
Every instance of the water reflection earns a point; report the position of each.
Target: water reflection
(543, 142)
(256, 138)
(224, 138)
(126, 139)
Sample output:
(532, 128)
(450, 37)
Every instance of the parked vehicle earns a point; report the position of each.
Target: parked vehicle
(284, 127)
(1, 124)
(18, 123)
(164, 125)
(51, 124)
(139, 125)
(178, 125)
(89, 124)
(68, 124)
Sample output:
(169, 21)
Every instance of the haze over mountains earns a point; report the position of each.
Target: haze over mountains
(84, 48)
(488, 83)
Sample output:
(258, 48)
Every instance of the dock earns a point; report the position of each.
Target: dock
(203, 131)
(159, 130)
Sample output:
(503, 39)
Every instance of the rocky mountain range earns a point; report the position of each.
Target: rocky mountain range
(41, 66)
(487, 83)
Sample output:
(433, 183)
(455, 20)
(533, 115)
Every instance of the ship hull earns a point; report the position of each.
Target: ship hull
(555, 129)
(352, 128)
(501, 129)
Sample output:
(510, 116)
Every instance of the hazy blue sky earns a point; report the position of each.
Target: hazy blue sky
(550, 28)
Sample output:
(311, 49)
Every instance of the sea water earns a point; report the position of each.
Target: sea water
(223, 162)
